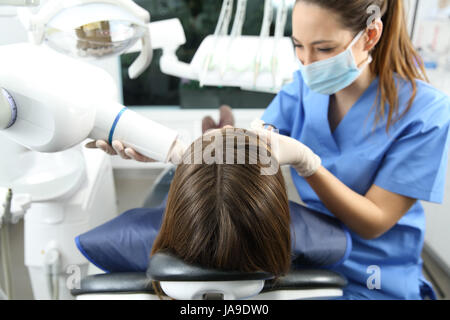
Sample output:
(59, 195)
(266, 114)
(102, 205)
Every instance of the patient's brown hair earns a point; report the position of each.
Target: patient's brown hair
(228, 216)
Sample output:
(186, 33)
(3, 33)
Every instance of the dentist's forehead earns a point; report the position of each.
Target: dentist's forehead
(312, 23)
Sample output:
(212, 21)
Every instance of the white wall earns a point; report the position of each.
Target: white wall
(437, 236)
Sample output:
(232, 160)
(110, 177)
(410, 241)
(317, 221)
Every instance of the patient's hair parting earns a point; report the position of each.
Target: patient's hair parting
(204, 152)
(227, 216)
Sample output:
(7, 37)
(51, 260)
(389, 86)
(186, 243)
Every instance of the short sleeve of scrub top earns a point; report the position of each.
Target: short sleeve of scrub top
(410, 160)
(416, 162)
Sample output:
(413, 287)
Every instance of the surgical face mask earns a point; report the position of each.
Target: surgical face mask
(334, 74)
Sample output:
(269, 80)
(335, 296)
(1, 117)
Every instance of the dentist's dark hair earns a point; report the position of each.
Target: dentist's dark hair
(227, 216)
(394, 54)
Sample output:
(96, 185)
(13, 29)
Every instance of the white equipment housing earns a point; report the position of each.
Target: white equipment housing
(51, 225)
(61, 101)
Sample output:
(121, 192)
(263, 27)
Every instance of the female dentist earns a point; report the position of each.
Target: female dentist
(366, 137)
(370, 135)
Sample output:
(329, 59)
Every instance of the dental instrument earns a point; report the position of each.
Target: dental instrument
(265, 32)
(234, 59)
(280, 26)
(220, 31)
(236, 31)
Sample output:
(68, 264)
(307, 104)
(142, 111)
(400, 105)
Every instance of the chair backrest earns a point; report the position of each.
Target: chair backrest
(180, 280)
(184, 281)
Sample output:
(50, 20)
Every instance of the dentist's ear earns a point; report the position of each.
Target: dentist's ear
(373, 34)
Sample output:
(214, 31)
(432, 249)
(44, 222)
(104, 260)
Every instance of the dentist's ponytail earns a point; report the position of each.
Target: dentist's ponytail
(393, 56)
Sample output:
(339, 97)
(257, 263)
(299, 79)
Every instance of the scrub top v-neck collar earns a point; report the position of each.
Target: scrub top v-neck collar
(319, 106)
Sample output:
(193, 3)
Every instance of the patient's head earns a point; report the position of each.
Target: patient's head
(224, 215)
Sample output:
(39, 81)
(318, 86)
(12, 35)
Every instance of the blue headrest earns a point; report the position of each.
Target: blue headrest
(124, 243)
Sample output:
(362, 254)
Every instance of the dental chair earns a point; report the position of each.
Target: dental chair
(121, 248)
(182, 281)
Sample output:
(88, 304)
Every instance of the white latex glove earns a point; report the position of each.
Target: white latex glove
(117, 148)
(289, 151)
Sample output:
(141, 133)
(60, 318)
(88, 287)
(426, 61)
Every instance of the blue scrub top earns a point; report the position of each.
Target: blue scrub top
(411, 160)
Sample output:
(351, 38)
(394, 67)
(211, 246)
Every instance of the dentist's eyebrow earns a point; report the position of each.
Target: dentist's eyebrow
(321, 42)
(294, 40)
(315, 42)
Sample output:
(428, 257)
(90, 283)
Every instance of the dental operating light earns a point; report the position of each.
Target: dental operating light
(92, 29)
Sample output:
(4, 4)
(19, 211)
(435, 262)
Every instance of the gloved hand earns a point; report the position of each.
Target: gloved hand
(288, 151)
(117, 148)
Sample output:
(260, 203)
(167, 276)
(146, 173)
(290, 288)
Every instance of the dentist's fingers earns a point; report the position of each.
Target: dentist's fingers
(133, 154)
(91, 145)
(100, 144)
(103, 145)
(265, 134)
(120, 149)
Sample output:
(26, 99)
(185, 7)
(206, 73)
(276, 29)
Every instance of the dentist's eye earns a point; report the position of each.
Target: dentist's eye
(326, 49)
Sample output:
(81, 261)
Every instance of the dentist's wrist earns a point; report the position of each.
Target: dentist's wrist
(308, 162)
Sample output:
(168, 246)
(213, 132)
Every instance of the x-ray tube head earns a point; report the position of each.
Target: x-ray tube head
(8, 109)
(61, 101)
